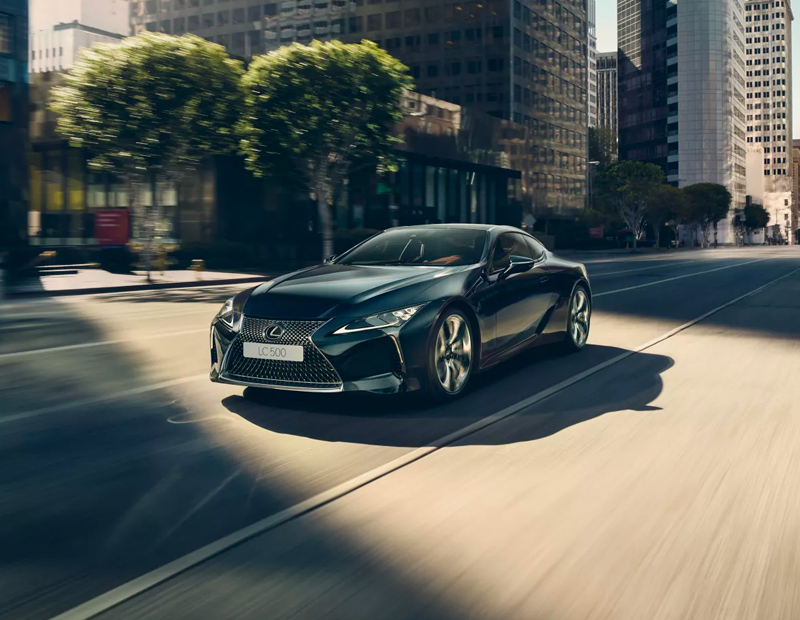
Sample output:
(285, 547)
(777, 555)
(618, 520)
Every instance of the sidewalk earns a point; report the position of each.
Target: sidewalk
(95, 281)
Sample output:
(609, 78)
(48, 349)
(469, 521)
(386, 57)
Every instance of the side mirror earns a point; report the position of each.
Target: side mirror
(330, 259)
(518, 264)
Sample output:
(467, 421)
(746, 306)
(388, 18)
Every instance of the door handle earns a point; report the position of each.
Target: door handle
(545, 279)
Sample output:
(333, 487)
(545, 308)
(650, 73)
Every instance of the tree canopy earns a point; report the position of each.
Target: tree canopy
(627, 189)
(602, 146)
(150, 104)
(756, 217)
(668, 205)
(319, 111)
(707, 204)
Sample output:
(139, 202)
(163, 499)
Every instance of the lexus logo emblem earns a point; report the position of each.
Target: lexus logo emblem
(274, 332)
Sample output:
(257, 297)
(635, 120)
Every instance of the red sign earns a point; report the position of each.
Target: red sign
(112, 227)
(596, 233)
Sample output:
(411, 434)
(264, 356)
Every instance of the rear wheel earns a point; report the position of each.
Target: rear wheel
(451, 356)
(578, 320)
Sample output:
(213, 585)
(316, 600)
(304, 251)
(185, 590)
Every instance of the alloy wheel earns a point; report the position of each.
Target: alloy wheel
(579, 318)
(453, 353)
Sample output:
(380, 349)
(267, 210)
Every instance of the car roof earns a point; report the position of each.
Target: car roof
(454, 225)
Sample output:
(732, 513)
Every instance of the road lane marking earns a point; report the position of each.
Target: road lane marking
(131, 589)
(664, 265)
(94, 400)
(102, 343)
(688, 275)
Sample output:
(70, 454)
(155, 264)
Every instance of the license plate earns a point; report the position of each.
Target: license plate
(285, 353)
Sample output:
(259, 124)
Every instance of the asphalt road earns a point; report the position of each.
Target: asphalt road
(654, 475)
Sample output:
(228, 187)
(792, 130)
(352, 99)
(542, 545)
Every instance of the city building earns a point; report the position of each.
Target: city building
(642, 76)
(768, 43)
(60, 29)
(524, 62)
(607, 91)
(682, 93)
(13, 123)
(591, 61)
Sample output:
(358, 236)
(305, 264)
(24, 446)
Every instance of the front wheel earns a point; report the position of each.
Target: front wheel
(578, 320)
(451, 356)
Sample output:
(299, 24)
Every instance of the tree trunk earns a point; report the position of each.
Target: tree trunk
(657, 235)
(325, 220)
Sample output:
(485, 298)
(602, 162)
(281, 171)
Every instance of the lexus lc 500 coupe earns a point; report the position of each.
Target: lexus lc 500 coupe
(411, 308)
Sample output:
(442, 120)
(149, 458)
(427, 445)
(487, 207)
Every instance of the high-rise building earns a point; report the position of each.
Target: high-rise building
(13, 122)
(642, 75)
(768, 41)
(60, 29)
(525, 62)
(682, 92)
(607, 90)
(591, 61)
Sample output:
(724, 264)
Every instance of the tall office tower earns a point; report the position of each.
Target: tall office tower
(768, 40)
(523, 61)
(59, 29)
(642, 76)
(607, 90)
(682, 92)
(591, 62)
(13, 123)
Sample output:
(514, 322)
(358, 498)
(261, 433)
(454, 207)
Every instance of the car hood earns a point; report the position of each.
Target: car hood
(329, 290)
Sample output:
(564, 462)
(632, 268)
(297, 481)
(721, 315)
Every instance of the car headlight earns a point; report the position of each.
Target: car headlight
(382, 320)
(230, 316)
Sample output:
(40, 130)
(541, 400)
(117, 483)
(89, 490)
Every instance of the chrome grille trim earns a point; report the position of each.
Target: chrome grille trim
(314, 373)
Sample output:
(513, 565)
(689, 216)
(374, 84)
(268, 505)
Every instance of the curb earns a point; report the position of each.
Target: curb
(11, 294)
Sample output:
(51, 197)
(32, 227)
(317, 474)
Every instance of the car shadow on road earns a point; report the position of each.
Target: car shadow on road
(408, 421)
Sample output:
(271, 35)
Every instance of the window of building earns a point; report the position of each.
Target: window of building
(433, 70)
(270, 10)
(393, 20)
(433, 14)
(6, 34)
(413, 17)
(208, 20)
(433, 39)
(474, 67)
(374, 21)
(193, 23)
(454, 68)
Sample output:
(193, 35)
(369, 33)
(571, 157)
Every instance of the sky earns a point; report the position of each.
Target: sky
(607, 42)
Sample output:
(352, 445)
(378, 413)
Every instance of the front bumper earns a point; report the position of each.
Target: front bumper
(370, 361)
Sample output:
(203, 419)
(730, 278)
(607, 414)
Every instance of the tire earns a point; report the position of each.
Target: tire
(579, 318)
(451, 356)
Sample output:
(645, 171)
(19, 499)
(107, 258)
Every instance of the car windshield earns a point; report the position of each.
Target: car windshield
(420, 246)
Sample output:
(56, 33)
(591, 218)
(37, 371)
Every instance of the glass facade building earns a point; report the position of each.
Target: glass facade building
(642, 75)
(13, 122)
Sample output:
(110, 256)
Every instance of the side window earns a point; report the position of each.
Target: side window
(508, 245)
(537, 249)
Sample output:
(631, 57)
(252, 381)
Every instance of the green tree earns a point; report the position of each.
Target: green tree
(707, 204)
(627, 189)
(667, 206)
(148, 108)
(756, 217)
(319, 112)
(602, 146)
